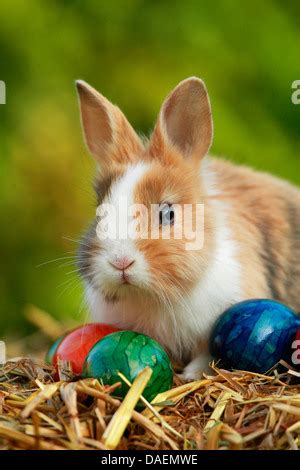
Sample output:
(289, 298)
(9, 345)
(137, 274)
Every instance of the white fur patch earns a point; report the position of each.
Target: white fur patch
(221, 284)
(125, 186)
(116, 247)
(195, 369)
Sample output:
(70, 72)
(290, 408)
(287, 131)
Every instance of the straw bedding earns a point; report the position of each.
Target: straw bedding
(227, 410)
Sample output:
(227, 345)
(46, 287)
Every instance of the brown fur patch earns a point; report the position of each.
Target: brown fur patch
(173, 180)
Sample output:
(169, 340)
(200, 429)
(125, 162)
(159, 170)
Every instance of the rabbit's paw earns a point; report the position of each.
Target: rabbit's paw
(195, 369)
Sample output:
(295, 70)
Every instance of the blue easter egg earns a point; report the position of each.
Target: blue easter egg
(254, 335)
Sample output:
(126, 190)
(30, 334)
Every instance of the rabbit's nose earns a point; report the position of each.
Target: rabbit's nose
(122, 263)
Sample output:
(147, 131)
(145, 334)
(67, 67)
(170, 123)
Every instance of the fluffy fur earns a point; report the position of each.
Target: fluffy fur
(251, 231)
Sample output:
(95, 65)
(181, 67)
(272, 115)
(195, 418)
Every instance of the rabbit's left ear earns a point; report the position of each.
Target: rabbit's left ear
(185, 120)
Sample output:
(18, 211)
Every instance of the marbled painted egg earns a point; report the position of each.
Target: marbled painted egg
(129, 352)
(254, 335)
(75, 345)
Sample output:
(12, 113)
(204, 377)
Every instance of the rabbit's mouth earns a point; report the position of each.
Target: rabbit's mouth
(121, 292)
(125, 278)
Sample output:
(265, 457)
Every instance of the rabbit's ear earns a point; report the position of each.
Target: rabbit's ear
(185, 120)
(108, 134)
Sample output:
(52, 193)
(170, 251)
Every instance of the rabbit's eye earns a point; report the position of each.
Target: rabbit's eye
(166, 214)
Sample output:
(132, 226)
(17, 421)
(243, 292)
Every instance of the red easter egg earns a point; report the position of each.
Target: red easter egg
(75, 346)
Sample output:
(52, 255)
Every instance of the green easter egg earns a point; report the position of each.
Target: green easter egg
(129, 352)
(52, 350)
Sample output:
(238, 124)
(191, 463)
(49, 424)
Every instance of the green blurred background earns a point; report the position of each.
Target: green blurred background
(134, 52)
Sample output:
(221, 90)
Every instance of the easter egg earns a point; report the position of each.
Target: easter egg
(52, 350)
(129, 352)
(255, 335)
(75, 346)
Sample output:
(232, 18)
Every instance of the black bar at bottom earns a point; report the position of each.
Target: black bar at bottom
(130, 459)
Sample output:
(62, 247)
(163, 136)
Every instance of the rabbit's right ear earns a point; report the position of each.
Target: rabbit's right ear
(108, 135)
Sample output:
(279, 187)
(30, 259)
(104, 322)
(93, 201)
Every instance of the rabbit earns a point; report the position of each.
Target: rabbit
(251, 229)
